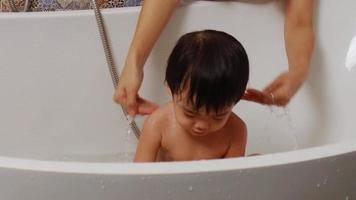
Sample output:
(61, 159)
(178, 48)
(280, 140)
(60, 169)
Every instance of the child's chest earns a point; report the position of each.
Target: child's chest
(178, 146)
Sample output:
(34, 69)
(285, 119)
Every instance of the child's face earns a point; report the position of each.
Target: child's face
(198, 123)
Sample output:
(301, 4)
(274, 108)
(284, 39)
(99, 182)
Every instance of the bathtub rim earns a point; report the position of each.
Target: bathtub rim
(183, 167)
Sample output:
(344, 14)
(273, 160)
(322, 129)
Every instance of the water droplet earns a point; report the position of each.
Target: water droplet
(325, 180)
(191, 189)
(347, 198)
(318, 185)
(279, 113)
(129, 119)
(127, 140)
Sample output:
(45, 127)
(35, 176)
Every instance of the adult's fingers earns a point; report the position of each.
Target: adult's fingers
(146, 107)
(131, 102)
(257, 96)
(281, 97)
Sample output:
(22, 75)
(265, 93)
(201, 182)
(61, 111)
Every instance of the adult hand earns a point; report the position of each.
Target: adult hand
(299, 43)
(126, 92)
(280, 91)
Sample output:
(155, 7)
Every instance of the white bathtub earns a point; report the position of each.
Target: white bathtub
(62, 137)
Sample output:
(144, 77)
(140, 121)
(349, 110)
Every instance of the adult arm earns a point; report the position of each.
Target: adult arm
(299, 43)
(153, 17)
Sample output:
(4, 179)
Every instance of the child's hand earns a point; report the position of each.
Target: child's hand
(126, 93)
(279, 92)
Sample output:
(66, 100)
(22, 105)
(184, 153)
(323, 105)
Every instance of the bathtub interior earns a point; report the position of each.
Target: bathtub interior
(56, 92)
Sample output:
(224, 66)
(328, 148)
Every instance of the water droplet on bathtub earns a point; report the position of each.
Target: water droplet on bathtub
(318, 185)
(191, 189)
(325, 180)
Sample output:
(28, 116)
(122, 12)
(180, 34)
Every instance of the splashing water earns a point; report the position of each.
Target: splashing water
(280, 113)
(127, 140)
(130, 119)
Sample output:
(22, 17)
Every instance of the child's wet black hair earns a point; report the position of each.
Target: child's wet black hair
(212, 65)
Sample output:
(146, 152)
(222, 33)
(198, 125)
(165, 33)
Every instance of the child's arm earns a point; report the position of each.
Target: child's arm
(149, 142)
(238, 141)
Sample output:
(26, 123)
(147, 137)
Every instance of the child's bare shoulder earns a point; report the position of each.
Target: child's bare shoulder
(160, 116)
(238, 125)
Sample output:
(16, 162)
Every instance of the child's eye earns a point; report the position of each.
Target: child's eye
(189, 115)
(218, 118)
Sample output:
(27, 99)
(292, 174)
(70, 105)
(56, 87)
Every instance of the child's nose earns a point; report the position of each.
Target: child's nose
(201, 125)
